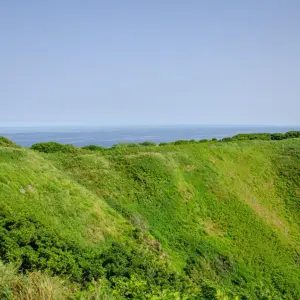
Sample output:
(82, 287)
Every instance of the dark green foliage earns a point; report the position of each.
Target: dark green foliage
(25, 241)
(181, 142)
(163, 144)
(227, 139)
(292, 134)
(214, 140)
(278, 136)
(252, 136)
(51, 147)
(93, 148)
(203, 141)
(263, 136)
(147, 143)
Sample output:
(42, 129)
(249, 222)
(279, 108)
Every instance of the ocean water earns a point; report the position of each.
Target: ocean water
(108, 136)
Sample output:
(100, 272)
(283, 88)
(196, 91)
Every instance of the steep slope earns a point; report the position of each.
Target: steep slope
(223, 216)
(32, 186)
(50, 222)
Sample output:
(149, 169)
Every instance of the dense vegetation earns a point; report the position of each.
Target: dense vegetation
(185, 220)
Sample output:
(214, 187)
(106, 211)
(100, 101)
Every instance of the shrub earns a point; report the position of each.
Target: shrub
(278, 136)
(203, 141)
(227, 139)
(51, 147)
(292, 134)
(163, 144)
(147, 143)
(93, 148)
(181, 142)
(252, 136)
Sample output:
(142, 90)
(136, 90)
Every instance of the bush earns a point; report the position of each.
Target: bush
(93, 148)
(227, 139)
(163, 144)
(51, 147)
(147, 143)
(292, 134)
(252, 136)
(181, 142)
(278, 136)
(203, 141)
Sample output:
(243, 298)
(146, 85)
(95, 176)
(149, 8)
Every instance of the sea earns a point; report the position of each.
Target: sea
(107, 136)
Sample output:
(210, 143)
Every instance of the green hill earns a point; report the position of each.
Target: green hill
(187, 220)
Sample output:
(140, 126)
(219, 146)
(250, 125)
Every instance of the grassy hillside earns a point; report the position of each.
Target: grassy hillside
(210, 220)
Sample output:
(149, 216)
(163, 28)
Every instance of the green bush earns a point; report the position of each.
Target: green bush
(147, 143)
(163, 144)
(252, 136)
(227, 139)
(278, 136)
(93, 148)
(51, 147)
(181, 142)
(292, 134)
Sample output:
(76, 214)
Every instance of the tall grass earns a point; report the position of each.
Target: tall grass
(32, 286)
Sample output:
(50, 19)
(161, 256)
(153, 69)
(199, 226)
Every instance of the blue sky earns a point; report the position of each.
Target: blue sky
(150, 62)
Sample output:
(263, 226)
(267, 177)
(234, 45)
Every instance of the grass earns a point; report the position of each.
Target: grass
(39, 286)
(223, 215)
(34, 286)
(31, 185)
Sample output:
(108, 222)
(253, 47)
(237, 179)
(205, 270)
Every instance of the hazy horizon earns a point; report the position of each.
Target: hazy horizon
(28, 125)
(110, 135)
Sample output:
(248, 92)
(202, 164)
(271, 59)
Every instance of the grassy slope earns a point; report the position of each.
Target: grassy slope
(225, 213)
(31, 185)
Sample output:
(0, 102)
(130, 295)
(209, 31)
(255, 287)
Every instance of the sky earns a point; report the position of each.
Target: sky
(155, 62)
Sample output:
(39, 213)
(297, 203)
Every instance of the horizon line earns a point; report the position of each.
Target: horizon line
(136, 125)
